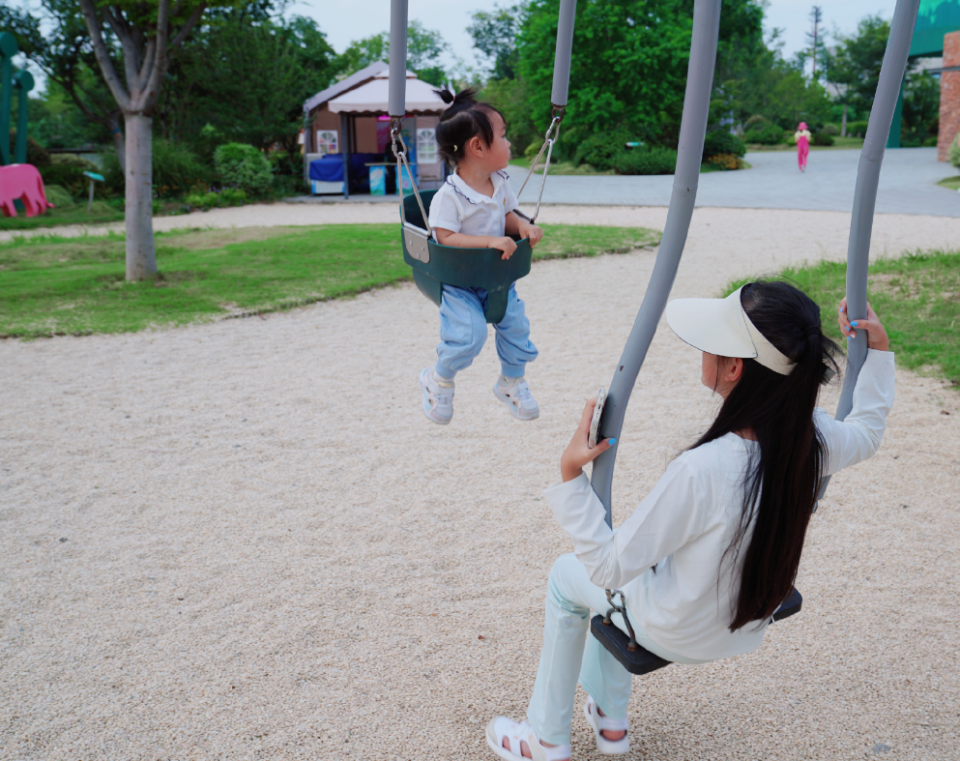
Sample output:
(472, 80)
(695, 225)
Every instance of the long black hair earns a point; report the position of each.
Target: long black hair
(463, 120)
(783, 479)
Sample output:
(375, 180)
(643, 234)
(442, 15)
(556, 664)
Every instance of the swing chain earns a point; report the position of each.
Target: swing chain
(400, 151)
(548, 143)
(632, 645)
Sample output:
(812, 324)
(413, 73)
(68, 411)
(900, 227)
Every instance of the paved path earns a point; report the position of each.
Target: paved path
(907, 185)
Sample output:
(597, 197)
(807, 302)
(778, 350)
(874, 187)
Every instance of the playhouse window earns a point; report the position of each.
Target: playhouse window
(327, 141)
(427, 146)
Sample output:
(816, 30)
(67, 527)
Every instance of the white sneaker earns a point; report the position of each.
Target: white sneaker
(437, 398)
(517, 397)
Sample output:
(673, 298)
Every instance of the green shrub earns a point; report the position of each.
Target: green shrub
(601, 149)
(176, 170)
(654, 160)
(857, 129)
(66, 169)
(755, 121)
(822, 138)
(954, 154)
(726, 161)
(721, 142)
(211, 200)
(233, 197)
(930, 142)
(764, 133)
(243, 166)
(830, 129)
(58, 196)
(207, 142)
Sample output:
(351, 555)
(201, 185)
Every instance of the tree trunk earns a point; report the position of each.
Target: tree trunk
(843, 124)
(141, 256)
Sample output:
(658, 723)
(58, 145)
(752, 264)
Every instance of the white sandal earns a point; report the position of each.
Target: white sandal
(501, 727)
(600, 723)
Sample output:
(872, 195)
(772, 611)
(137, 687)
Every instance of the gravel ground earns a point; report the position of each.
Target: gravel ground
(244, 541)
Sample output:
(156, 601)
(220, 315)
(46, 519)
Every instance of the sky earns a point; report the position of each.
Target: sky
(349, 20)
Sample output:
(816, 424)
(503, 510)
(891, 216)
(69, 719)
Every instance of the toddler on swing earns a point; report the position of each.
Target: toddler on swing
(476, 208)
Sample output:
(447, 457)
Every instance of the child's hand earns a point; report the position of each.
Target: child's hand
(578, 453)
(507, 245)
(876, 333)
(533, 232)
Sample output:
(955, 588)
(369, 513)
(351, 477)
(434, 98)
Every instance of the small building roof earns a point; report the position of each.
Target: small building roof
(372, 98)
(358, 78)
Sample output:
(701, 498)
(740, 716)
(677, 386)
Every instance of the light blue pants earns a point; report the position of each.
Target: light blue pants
(463, 331)
(568, 650)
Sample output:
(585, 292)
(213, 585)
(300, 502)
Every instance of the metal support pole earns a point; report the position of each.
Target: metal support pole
(693, 128)
(8, 49)
(396, 101)
(865, 195)
(561, 61)
(345, 149)
(23, 81)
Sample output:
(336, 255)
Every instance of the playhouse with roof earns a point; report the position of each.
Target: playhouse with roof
(347, 135)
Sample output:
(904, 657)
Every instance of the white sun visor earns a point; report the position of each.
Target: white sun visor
(722, 327)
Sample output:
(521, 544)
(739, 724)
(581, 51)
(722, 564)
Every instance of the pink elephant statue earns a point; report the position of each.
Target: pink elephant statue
(22, 181)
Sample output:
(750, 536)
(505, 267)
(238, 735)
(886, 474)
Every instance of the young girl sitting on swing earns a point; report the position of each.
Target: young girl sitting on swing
(475, 208)
(713, 551)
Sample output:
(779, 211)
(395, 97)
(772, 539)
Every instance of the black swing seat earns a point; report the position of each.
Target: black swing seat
(642, 661)
(435, 265)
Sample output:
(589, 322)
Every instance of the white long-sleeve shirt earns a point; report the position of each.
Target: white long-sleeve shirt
(689, 519)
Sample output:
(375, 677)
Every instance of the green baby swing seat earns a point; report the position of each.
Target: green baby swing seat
(435, 265)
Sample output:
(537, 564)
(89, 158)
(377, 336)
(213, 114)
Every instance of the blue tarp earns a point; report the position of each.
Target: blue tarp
(329, 168)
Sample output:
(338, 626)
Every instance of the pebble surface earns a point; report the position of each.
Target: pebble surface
(244, 540)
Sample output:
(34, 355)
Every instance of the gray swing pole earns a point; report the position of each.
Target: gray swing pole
(693, 129)
(561, 61)
(865, 195)
(397, 98)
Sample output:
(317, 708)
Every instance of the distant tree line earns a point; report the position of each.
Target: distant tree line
(244, 72)
(629, 71)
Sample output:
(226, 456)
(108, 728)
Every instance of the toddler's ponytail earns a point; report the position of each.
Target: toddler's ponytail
(463, 119)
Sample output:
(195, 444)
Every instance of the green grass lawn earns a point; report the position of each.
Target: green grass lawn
(53, 285)
(74, 214)
(917, 297)
(950, 183)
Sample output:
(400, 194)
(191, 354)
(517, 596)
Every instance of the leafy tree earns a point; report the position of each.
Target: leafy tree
(247, 77)
(145, 34)
(425, 47)
(921, 110)
(857, 60)
(65, 55)
(495, 35)
(629, 65)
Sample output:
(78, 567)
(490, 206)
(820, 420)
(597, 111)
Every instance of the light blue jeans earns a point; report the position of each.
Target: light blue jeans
(463, 331)
(568, 650)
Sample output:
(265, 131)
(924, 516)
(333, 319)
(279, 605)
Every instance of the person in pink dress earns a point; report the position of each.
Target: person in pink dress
(802, 136)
